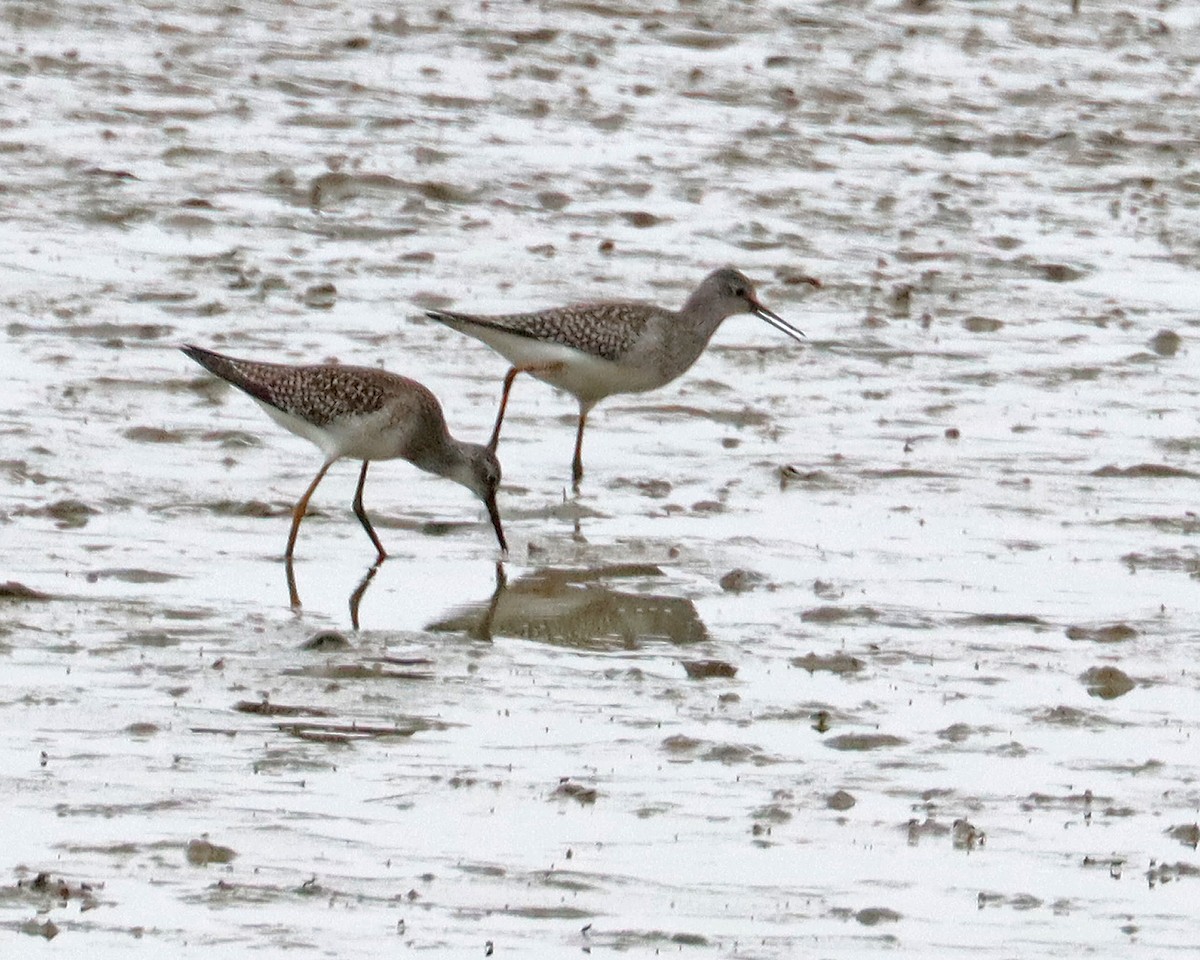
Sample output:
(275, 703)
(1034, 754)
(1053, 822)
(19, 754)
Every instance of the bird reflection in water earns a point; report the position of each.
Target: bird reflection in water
(575, 608)
(360, 589)
(355, 596)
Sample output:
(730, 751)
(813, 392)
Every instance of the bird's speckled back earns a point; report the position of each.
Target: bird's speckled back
(603, 329)
(323, 393)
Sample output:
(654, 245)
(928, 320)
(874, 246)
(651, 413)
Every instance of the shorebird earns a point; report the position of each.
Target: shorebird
(365, 414)
(593, 350)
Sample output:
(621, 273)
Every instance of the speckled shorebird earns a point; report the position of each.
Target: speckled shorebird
(365, 414)
(593, 350)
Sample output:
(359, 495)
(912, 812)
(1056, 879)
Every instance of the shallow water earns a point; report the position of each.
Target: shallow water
(882, 644)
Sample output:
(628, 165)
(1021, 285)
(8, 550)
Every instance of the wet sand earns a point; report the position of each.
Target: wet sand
(883, 644)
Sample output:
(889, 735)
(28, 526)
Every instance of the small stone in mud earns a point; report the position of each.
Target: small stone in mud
(731, 753)
(640, 218)
(1112, 633)
(1107, 683)
(248, 508)
(839, 614)
(741, 580)
(982, 324)
(955, 733)
(553, 200)
(706, 669)
(154, 435)
(792, 474)
(928, 827)
(826, 590)
(1065, 716)
(655, 488)
(900, 299)
(870, 916)
(1060, 272)
(679, 743)
(325, 640)
(861, 742)
(585, 796)
(200, 853)
(320, 296)
(441, 192)
(48, 930)
(840, 800)
(1166, 343)
(832, 663)
(1186, 833)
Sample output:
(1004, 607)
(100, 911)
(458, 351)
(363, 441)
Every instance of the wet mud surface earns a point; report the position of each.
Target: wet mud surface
(881, 644)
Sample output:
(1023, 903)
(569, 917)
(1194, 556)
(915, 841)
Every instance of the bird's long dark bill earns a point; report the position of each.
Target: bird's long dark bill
(495, 515)
(777, 322)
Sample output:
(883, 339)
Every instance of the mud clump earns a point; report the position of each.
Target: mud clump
(708, 669)
(12, 590)
(570, 790)
(833, 663)
(1166, 343)
(1111, 633)
(862, 742)
(201, 852)
(741, 580)
(840, 800)
(1107, 683)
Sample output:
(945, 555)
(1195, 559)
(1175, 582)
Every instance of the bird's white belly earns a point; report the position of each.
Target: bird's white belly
(365, 437)
(588, 377)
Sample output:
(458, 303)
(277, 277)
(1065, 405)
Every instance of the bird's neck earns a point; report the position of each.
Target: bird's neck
(704, 314)
(691, 329)
(449, 459)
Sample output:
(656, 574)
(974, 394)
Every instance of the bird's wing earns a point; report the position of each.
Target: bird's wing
(317, 393)
(604, 330)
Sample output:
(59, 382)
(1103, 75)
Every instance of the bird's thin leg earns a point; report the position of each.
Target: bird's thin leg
(301, 509)
(577, 463)
(293, 593)
(508, 382)
(362, 514)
